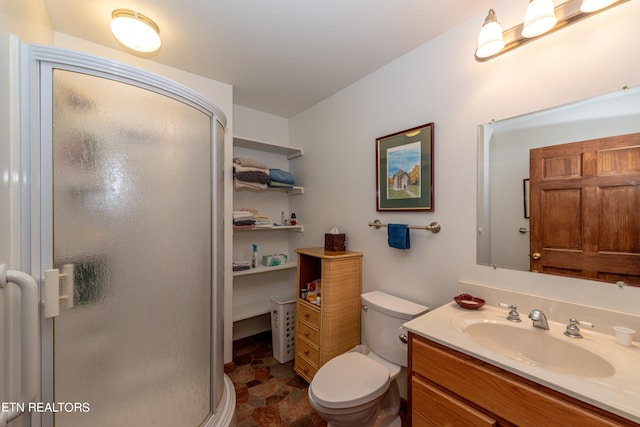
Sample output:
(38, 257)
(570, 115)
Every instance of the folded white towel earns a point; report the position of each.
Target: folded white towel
(242, 161)
(239, 185)
(239, 169)
(242, 214)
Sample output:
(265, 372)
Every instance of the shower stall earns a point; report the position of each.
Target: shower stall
(122, 228)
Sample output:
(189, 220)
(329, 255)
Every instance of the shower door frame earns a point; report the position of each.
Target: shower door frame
(37, 207)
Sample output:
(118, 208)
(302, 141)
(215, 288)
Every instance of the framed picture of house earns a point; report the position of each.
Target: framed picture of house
(404, 170)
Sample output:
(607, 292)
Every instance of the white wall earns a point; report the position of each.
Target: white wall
(252, 124)
(441, 82)
(28, 19)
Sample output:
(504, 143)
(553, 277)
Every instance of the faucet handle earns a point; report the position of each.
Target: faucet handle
(573, 331)
(513, 316)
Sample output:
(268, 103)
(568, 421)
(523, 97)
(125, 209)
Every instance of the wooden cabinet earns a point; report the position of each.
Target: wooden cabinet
(447, 387)
(333, 327)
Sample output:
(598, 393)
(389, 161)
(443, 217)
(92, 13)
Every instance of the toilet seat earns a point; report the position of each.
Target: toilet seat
(349, 380)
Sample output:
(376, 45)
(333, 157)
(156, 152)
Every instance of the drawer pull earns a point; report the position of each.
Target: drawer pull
(307, 315)
(306, 352)
(306, 334)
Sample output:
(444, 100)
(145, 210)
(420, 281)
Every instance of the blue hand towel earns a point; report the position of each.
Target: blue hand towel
(398, 236)
(279, 175)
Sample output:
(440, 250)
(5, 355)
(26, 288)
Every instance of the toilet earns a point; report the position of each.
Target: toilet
(360, 387)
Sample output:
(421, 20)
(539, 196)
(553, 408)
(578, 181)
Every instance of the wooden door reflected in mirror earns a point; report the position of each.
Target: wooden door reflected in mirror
(585, 209)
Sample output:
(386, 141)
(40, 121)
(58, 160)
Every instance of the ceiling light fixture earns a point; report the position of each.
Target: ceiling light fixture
(135, 30)
(540, 18)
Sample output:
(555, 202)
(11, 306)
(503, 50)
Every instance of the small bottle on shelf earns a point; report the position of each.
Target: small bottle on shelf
(254, 261)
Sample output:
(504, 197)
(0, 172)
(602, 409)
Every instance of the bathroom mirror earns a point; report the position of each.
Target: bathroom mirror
(503, 233)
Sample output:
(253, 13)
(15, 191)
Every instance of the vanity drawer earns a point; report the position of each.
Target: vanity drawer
(435, 407)
(307, 332)
(308, 351)
(309, 314)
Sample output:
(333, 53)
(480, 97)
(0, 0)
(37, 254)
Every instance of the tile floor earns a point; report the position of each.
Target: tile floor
(270, 394)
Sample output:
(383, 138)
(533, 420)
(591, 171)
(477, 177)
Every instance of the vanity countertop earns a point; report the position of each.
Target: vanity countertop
(618, 393)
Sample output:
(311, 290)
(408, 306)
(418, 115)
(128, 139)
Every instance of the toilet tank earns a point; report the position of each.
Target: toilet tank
(382, 317)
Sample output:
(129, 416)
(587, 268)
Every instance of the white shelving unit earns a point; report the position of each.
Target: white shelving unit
(253, 288)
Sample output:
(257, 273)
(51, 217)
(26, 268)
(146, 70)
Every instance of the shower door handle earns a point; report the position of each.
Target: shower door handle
(29, 339)
(54, 295)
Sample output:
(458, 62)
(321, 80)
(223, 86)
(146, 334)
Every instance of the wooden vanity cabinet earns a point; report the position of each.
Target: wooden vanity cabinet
(449, 388)
(333, 327)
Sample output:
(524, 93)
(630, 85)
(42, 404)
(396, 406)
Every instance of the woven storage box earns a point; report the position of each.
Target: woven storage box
(334, 242)
(283, 324)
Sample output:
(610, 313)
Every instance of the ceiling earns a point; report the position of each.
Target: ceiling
(281, 56)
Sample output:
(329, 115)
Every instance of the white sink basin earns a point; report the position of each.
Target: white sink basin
(537, 347)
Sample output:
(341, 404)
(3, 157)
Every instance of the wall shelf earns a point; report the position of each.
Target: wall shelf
(298, 228)
(252, 144)
(296, 190)
(263, 269)
(247, 311)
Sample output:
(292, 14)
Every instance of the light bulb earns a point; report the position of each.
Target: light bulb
(594, 5)
(539, 18)
(490, 39)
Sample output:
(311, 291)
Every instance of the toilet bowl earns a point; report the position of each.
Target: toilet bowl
(360, 387)
(357, 389)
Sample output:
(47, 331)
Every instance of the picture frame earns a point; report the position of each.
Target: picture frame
(404, 170)
(525, 194)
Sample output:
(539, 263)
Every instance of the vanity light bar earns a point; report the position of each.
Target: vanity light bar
(566, 13)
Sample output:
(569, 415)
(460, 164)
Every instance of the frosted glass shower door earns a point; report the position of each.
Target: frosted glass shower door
(132, 215)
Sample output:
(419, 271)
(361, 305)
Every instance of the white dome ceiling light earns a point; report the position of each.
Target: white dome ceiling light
(135, 30)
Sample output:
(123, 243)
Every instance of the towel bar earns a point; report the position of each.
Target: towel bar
(434, 227)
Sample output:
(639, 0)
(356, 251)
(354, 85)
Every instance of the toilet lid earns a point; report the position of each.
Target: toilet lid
(348, 380)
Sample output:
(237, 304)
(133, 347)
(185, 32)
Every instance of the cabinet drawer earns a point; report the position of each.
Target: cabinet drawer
(305, 331)
(434, 407)
(304, 368)
(309, 314)
(308, 351)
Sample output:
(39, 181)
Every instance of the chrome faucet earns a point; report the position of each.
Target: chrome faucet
(513, 316)
(573, 331)
(539, 319)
